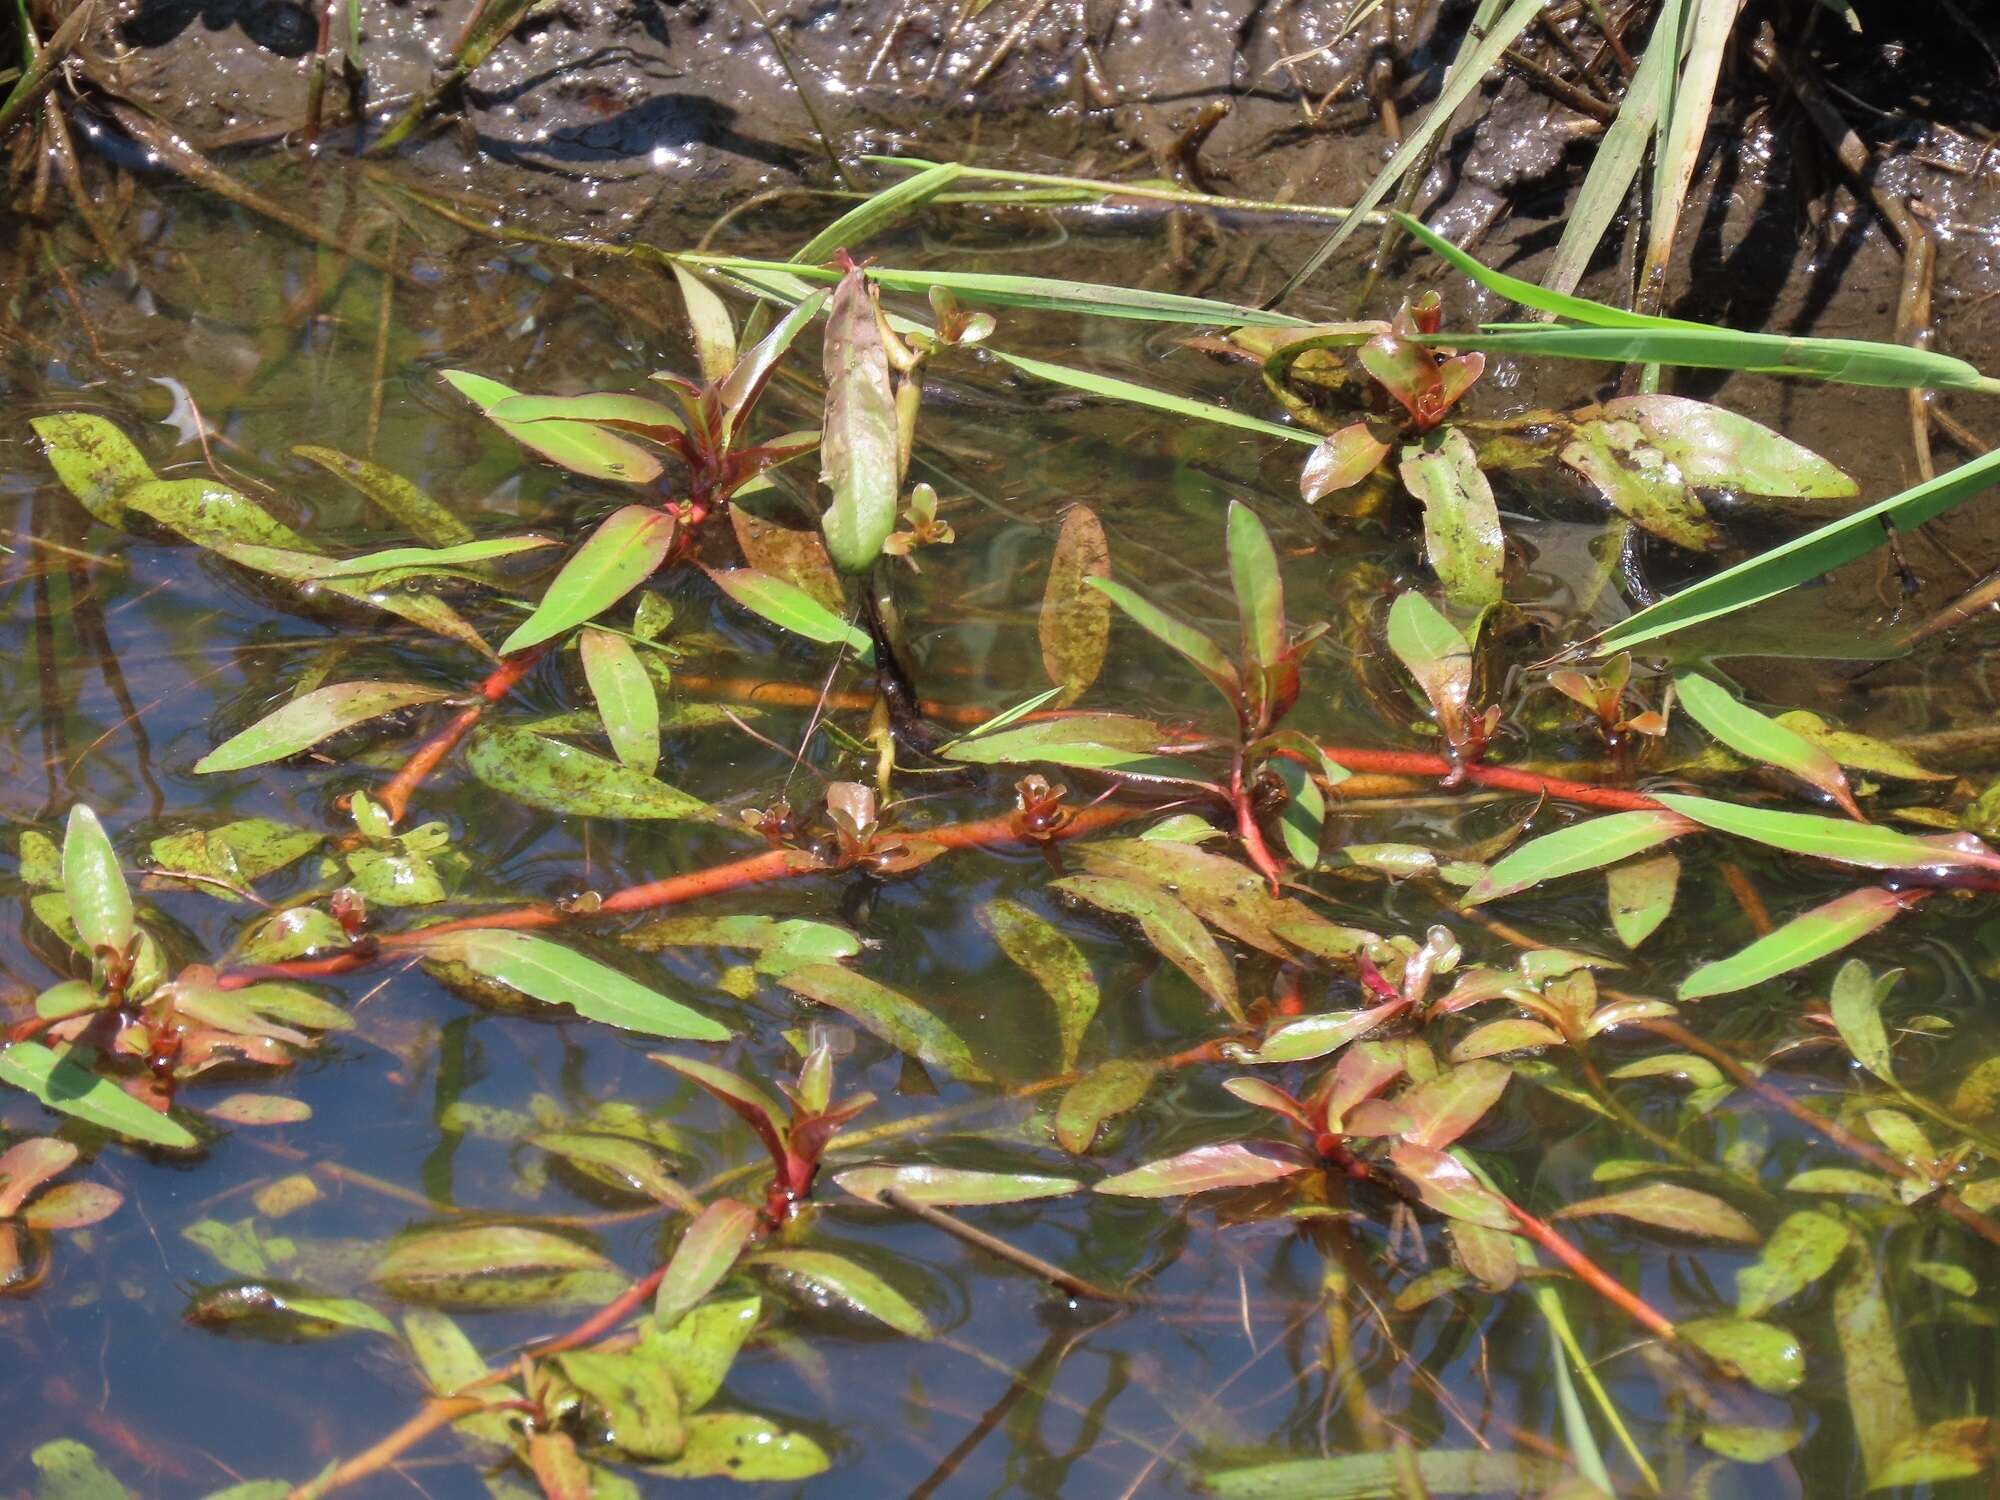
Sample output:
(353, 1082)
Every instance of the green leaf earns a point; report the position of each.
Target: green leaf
(708, 1251)
(1086, 741)
(1714, 448)
(952, 1187)
(708, 319)
(310, 718)
(444, 1355)
(100, 903)
(1858, 752)
(67, 1470)
(793, 556)
(615, 559)
(1435, 653)
(872, 215)
(1639, 484)
(1878, 1385)
(1640, 895)
(900, 1021)
(577, 446)
(1260, 588)
(1448, 1187)
(1670, 1206)
(834, 1279)
(1134, 394)
(426, 520)
(625, 698)
(1172, 929)
(1803, 559)
(1958, 1448)
(859, 446)
(779, 943)
(1588, 845)
(1341, 461)
(1202, 1170)
(391, 565)
(698, 1350)
(1765, 1355)
(1101, 1095)
(735, 1445)
(792, 608)
(65, 1085)
(1189, 642)
(1810, 936)
(239, 852)
(1074, 626)
(548, 774)
(634, 1400)
(1799, 1252)
(1318, 1036)
(1462, 537)
(1857, 1014)
(627, 1165)
(1837, 839)
(428, 1257)
(1055, 963)
(1752, 734)
(1379, 1476)
(557, 975)
(94, 460)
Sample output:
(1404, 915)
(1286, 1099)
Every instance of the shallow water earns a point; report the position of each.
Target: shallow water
(125, 657)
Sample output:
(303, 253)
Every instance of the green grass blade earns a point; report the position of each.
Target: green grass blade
(1694, 346)
(1133, 393)
(1802, 560)
(1685, 122)
(1541, 298)
(869, 218)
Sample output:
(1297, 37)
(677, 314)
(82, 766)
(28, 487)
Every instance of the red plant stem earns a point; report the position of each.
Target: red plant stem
(1248, 831)
(1591, 1274)
(1502, 778)
(395, 797)
(606, 1317)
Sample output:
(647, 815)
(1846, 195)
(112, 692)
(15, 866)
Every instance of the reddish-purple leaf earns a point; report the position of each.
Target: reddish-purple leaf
(72, 1206)
(28, 1164)
(1669, 1206)
(706, 1254)
(859, 447)
(758, 1109)
(1444, 1184)
(1202, 1170)
(1406, 371)
(1341, 461)
(1452, 1103)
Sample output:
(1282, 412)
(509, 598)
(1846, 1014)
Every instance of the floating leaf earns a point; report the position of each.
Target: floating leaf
(859, 446)
(1588, 845)
(791, 608)
(94, 460)
(1462, 537)
(1056, 964)
(1763, 1354)
(312, 717)
(378, 569)
(1381, 1476)
(1638, 483)
(1085, 741)
(1858, 752)
(1202, 1170)
(952, 1187)
(239, 853)
(1799, 1252)
(834, 1279)
(1437, 655)
(1075, 623)
(1318, 1036)
(1718, 449)
(625, 1164)
(1172, 929)
(1640, 895)
(1670, 1206)
(698, 1350)
(64, 1084)
(474, 1266)
(67, 1470)
(577, 446)
(625, 698)
(548, 774)
(1104, 1093)
(622, 553)
(708, 1251)
(1442, 1110)
(557, 975)
(1864, 844)
(1260, 589)
(1857, 1014)
(259, 1109)
(795, 557)
(426, 520)
(1498, 1037)
(1841, 1182)
(27, 1165)
(735, 1445)
(708, 318)
(1446, 1186)
(1810, 936)
(633, 1398)
(900, 1021)
(1750, 733)
(100, 903)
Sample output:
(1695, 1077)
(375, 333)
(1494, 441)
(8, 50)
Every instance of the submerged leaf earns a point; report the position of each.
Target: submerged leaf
(1075, 623)
(1435, 653)
(1856, 1003)
(310, 718)
(1462, 537)
(557, 975)
(548, 774)
(1101, 1095)
(400, 500)
(834, 1279)
(1799, 1252)
(578, 446)
(1670, 1206)
(1640, 896)
(1172, 929)
(1056, 964)
(900, 1021)
(1767, 1356)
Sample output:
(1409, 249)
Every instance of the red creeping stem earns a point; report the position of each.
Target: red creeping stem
(502, 680)
(1591, 1275)
(1503, 778)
